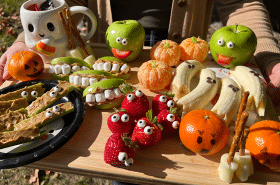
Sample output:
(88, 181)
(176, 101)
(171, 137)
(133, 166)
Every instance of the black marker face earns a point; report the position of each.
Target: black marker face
(30, 27)
(50, 26)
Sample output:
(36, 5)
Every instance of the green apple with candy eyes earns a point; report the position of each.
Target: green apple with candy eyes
(125, 39)
(233, 45)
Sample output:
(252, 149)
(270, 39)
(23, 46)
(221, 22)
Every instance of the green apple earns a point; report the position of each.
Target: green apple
(233, 45)
(125, 39)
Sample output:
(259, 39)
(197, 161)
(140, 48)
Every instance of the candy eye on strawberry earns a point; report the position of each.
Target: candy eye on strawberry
(170, 117)
(139, 93)
(162, 99)
(141, 123)
(115, 118)
(170, 103)
(175, 124)
(148, 130)
(130, 97)
(122, 156)
(125, 118)
(128, 162)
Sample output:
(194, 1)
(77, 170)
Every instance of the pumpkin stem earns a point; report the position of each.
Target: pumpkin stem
(194, 40)
(206, 117)
(278, 131)
(154, 65)
(166, 45)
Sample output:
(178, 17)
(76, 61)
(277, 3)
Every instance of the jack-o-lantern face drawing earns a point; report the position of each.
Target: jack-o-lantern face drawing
(203, 132)
(26, 65)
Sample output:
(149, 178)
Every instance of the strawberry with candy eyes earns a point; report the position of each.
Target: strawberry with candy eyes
(146, 132)
(162, 102)
(119, 150)
(121, 122)
(169, 121)
(137, 104)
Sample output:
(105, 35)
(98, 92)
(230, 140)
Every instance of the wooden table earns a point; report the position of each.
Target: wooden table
(168, 162)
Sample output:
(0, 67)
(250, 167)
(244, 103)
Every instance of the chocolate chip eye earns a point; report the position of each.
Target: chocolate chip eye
(170, 103)
(199, 139)
(128, 162)
(170, 117)
(162, 99)
(53, 94)
(122, 156)
(57, 88)
(148, 130)
(56, 108)
(141, 123)
(49, 113)
(30, 27)
(138, 93)
(213, 141)
(130, 97)
(50, 26)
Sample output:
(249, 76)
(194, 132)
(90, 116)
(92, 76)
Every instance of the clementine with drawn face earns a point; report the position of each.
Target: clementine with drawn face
(203, 132)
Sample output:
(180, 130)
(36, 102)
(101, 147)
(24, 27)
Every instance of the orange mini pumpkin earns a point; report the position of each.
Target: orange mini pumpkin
(194, 49)
(25, 66)
(263, 142)
(154, 75)
(203, 132)
(167, 51)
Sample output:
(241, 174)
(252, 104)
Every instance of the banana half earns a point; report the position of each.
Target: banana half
(180, 85)
(230, 97)
(250, 81)
(202, 94)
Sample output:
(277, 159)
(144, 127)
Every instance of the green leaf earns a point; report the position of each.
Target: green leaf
(194, 40)
(166, 45)
(149, 115)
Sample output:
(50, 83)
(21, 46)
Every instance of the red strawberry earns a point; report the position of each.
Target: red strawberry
(169, 121)
(146, 133)
(119, 150)
(162, 102)
(121, 122)
(137, 104)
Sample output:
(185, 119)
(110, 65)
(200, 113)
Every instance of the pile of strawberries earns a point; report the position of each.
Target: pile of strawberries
(135, 126)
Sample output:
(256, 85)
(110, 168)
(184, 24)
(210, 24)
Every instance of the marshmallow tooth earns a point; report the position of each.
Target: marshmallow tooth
(83, 68)
(115, 67)
(100, 97)
(117, 92)
(77, 80)
(66, 69)
(51, 69)
(85, 81)
(92, 80)
(75, 68)
(90, 98)
(124, 67)
(109, 94)
(57, 69)
(71, 78)
(107, 66)
(100, 66)
(94, 66)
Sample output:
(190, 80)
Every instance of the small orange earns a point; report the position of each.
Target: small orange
(154, 75)
(203, 132)
(263, 142)
(194, 49)
(25, 66)
(167, 51)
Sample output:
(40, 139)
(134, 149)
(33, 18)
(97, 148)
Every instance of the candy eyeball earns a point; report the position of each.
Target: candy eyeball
(119, 40)
(115, 118)
(34, 94)
(24, 94)
(230, 45)
(49, 113)
(122, 156)
(56, 108)
(130, 97)
(57, 88)
(221, 42)
(148, 130)
(124, 42)
(162, 99)
(170, 117)
(128, 162)
(139, 93)
(175, 124)
(170, 103)
(125, 118)
(53, 94)
(141, 123)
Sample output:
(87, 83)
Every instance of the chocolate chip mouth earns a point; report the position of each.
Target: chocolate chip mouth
(204, 151)
(42, 35)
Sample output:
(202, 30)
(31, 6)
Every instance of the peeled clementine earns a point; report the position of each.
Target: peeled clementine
(263, 142)
(154, 75)
(25, 66)
(203, 132)
(167, 51)
(194, 49)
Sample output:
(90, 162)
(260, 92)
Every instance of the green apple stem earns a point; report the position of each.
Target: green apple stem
(124, 21)
(235, 30)
(194, 40)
